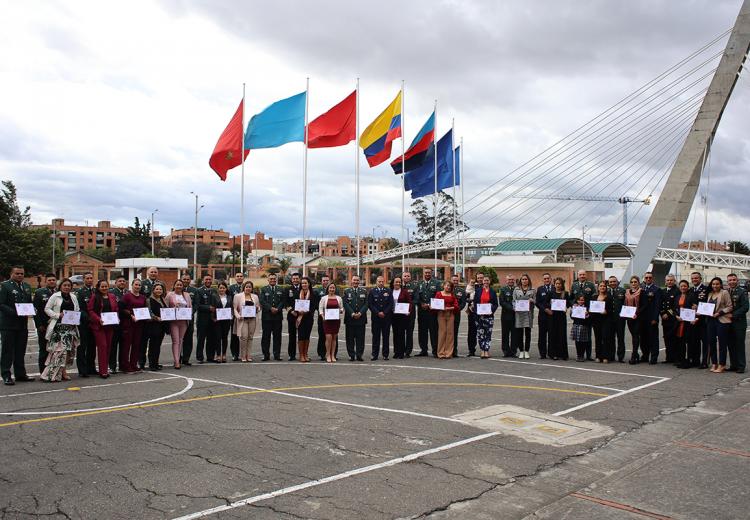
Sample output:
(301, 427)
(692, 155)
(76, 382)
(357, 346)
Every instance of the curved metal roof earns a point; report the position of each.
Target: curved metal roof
(560, 246)
(612, 250)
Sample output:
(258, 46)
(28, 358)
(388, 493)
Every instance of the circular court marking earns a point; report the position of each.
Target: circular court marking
(188, 385)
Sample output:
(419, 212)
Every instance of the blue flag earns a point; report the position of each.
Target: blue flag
(421, 181)
(282, 122)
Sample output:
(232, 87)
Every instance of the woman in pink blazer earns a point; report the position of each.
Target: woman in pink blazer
(178, 298)
(103, 301)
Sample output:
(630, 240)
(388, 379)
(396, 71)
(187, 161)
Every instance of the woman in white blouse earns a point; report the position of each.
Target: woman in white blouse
(244, 326)
(177, 298)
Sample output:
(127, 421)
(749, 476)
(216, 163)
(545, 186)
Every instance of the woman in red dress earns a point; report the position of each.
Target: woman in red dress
(331, 326)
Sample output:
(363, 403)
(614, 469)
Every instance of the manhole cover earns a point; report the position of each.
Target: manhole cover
(534, 426)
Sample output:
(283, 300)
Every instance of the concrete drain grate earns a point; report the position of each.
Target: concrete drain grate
(533, 426)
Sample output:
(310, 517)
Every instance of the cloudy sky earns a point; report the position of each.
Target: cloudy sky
(110, 112)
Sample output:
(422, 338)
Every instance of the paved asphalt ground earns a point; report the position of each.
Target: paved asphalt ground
(380, 440)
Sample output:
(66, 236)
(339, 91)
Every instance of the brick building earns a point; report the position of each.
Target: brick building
(341, 246)
(77, 238)
(217, 238)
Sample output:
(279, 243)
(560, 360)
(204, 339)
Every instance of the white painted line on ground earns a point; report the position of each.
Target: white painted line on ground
(613, 396)
(575, 368)
(334, 478)
(188, 386)
(548, 380)
(166, 378)
(331, 401)
(389, 365)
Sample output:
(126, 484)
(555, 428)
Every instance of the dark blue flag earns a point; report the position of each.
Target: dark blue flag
(421, 181)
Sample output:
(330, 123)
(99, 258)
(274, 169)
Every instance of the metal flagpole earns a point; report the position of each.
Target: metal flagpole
(403, 186)
(435, 194)
(461, 234)
(304, 186)
(356, 175)
(242, 191)
(453, 157)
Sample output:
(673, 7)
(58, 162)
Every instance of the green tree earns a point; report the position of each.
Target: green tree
(136, 242)
(284, 264)
(180, 249)
(489, 271)
(391, 243)
(424, 215)
(741, 248)
(104, 254)
(19, 243)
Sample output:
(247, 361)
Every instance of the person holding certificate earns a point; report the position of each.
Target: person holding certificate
(303, 316)
(101, 302)
(581, 330)
(685, 305)
(523, 307)
(245, 320)
(717, 326)
(558, 321)
(156, 328)
(331, 308)
(445, 313)
(14, 332)
(485, 296)
(380, 303)
(132, 329)
(222, 300)
(178, 299)
(633, 299)
(603, 323)
(62, 340)
(402, 312)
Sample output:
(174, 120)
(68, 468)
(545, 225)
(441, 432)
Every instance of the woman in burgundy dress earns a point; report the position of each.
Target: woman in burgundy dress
(331, 326)
(132, 330)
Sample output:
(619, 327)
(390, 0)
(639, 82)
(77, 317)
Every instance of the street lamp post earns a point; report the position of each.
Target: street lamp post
(152, 231)
(195, 236)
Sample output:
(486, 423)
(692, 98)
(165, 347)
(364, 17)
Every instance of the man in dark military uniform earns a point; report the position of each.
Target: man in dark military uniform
(618, 300)
(412, 288)
(669, 297)
(319, 292)
(650, 319)
(14, 329)
(86, 354)
(272, 303)
(291, 316)
(147, 285)
(380, 303)
(544, 304)
(187, 339)
(355, 319)
(507, 316)
(583, 287)
(698, 347)
(460, 293)
(738, 328)
(234, 289)
(204, 299)
(41, 295)
(119, 289)
(427, 325)
(471, 340)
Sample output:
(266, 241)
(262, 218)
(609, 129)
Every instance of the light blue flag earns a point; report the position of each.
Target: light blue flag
(282, 122)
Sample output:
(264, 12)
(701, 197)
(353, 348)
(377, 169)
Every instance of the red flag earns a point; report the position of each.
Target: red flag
(226, 154)
(336, 127)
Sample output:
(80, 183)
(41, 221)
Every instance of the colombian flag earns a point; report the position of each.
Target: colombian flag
(377, 138)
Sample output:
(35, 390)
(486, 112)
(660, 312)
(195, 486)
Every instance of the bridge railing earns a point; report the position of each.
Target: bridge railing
(703, 258)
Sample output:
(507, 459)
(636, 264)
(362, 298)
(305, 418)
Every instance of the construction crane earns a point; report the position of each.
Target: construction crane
(621, 200)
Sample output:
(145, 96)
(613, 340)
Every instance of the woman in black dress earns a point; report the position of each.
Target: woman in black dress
(304, 320)
(222, 300)
(155, 328)
(603, 325)
(558, 327)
